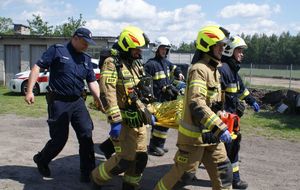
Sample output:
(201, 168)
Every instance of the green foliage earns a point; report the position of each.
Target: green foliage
(39, 27)
(272, 50)
(67, 29)
(186, 48)
(6, 25)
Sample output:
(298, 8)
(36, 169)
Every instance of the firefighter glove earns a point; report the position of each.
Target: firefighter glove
(255, 107)
(209, 138)
(225, 137)
(153, 120)
(115, 129)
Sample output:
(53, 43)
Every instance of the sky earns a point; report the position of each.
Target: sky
(178, 20)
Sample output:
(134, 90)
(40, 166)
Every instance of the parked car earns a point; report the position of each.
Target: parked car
(19, 82)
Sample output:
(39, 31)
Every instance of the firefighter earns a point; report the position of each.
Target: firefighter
(201, 132)
(163, 73)
(235, 92)
(125, 112)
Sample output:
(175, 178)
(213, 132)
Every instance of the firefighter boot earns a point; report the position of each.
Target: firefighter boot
(128, 186)
(95, 186)
(42, 167)
(239, 184)
(107, 147)
(155, 151)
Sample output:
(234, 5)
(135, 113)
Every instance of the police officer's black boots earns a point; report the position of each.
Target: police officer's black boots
(42, 167)
(239, 184)
(107, 147)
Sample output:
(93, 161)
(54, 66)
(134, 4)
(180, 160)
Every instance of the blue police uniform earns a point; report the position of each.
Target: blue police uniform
(235, 91)
(68, 69)
(162, 71)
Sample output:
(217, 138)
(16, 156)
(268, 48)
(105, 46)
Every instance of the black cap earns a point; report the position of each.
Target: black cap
(86, 34)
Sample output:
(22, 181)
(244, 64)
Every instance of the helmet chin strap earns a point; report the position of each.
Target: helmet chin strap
(211, 54)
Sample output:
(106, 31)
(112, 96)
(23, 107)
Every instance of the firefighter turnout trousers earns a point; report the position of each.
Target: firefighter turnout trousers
(188, 158)
(131, 157)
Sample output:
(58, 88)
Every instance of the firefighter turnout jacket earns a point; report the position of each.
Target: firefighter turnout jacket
(162, 72)
(232, 84)
(118, 93)
(203, 94)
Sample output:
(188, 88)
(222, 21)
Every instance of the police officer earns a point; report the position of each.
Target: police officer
(126, 114)
(201, 132)
(163, 73)
(235, 92)
(69, 66)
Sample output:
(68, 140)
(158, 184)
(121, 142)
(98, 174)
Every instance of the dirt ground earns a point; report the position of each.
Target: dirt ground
(265, 164)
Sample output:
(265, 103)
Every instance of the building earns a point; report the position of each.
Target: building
(20, 52)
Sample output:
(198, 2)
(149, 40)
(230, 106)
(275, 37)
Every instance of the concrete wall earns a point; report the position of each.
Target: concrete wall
(26, 41)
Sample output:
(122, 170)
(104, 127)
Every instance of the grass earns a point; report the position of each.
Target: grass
(271, 124)
(265, 123)
(13, 103)
(277, 73)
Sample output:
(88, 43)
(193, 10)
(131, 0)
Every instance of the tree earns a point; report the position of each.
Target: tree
(186, 48)
(6, 25)
(67, 29)
(39, 27)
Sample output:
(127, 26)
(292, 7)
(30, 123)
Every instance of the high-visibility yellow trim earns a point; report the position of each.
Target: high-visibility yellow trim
(159, 134)
(112, 110)
(160, 75)
(132, 179)
(201, 84)
(235, 168)
(118, 149)
(210, 122)
(211, 94)
(233, 136)
(103, 173)
(109, 73)
(231, 89)
(244, 94)
(161, 185)
(188, 133)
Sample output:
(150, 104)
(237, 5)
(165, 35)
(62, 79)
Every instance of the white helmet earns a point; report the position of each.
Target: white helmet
(161, 41)
(235, 42)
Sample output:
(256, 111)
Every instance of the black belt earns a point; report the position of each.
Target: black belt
(66, 98)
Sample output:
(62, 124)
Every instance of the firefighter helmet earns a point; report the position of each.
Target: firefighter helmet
(161, 41)
(132, 37)
(209, 36)
(235, 42)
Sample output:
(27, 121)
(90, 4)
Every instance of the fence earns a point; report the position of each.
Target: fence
(253, 74)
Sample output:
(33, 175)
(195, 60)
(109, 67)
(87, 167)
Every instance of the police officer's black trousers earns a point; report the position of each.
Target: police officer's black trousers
(60, 114)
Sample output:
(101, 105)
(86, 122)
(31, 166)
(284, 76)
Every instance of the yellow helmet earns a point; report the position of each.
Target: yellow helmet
(209, 36)
(132, 37)
(235, 42)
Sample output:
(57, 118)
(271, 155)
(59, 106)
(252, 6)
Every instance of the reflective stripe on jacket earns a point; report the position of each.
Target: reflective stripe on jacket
(202, 92)
(233, 86)
(115, 87)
